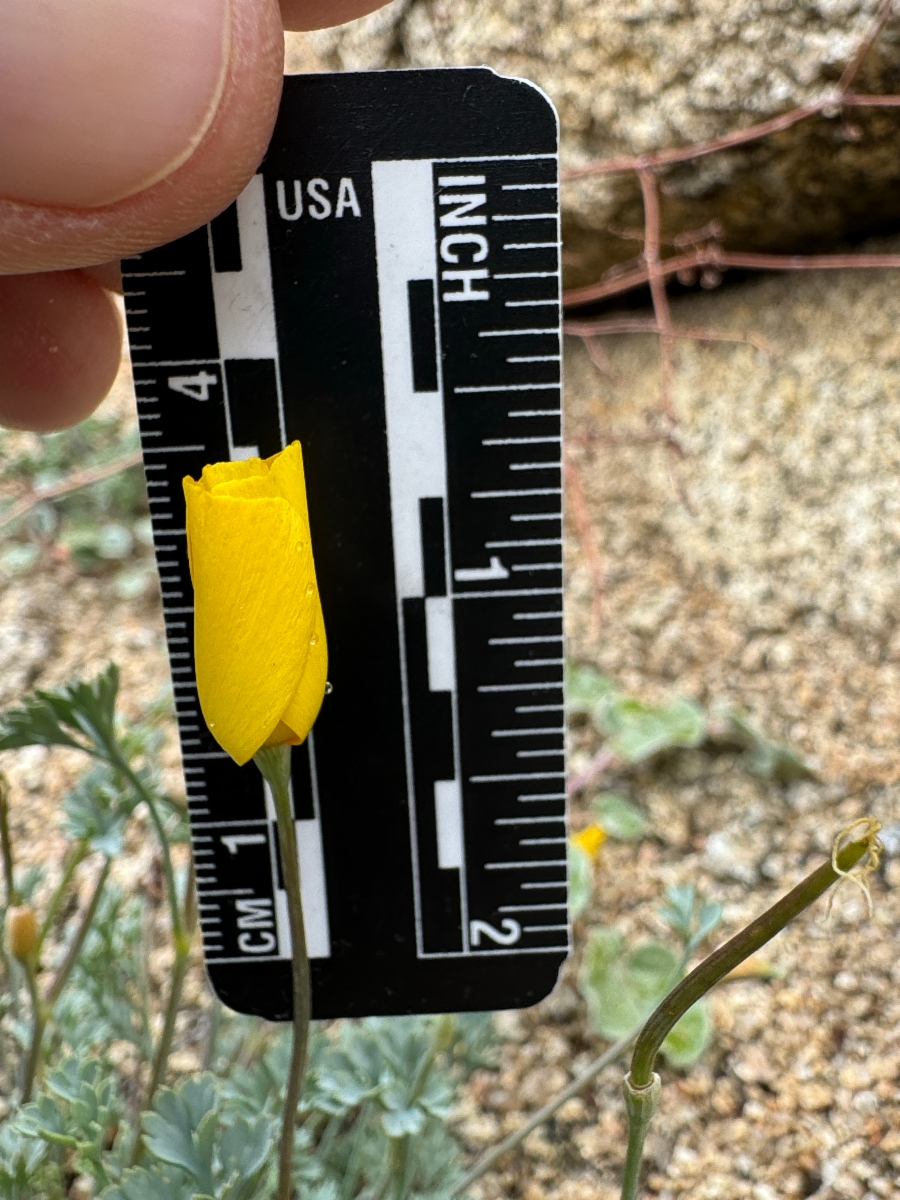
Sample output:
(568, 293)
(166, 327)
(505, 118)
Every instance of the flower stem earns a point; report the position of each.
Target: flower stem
(726, 958)
(183, 939)
(38, 1024)
(640, 1104)
(120, 764)
(74, 859)
(65, 969)
(11, 896)
(642, 1083)
(275, 764)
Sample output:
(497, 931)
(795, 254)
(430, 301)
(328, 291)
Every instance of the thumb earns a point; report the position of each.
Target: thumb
(126, 123)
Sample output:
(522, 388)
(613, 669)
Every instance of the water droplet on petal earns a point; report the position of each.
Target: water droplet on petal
(313, 640)
(309, 589)
(329, 688)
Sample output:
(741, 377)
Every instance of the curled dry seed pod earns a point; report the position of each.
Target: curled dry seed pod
(21, 931)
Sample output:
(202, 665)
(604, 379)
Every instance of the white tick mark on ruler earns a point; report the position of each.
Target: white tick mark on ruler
(531, 245)
(519, 687)
(524, 641)
(527, 275)
(528, 862)
(517, 332)
(516, 492)
(519, 441)
(527, 820)
(524, 217)
(506, 733)
(523, 542)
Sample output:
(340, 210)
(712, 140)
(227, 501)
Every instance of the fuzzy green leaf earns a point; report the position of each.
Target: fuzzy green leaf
(637, 730)
(587, 688)
(622, 988)
(617, 817)
(690, 1036)
(581, 880)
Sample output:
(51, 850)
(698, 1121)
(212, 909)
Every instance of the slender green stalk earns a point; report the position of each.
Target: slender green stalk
(182, 941)
(212, 1036)
(728, 956)
(275, 764)
(164, 1045)
(38, 1024)
(178, 930)
(9, 876)
(65, 968)
(640, 1104)
(642, 1083)
(74, 859)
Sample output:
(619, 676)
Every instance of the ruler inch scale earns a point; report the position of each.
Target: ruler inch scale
(385, 290)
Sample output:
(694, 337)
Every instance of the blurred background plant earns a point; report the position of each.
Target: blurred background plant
(78, 495)
(84, 1053)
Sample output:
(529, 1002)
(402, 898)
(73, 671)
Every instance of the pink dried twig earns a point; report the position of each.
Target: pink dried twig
(713, 256)
(606, 326)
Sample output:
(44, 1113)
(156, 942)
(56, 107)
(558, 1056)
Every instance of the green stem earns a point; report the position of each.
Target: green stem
(728, 956)
(38, 1024)
(642, 1083)
(65, 968)
(640, 1104)
(74, 859)
(182, 943)
(178, 931)
(212, 1036)
(275, 764)
(9, 875)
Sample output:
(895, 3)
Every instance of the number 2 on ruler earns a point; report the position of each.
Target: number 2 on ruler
(507, 936)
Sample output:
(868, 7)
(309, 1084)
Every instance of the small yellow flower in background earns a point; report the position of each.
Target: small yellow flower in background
(259, 634)
(589, 839)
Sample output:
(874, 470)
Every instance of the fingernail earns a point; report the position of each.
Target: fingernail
(100, 100)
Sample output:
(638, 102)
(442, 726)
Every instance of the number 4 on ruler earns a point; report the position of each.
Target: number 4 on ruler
(196, 386)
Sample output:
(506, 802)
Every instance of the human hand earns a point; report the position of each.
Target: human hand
(123, 124)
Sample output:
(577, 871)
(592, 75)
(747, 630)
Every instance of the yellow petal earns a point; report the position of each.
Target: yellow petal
(255, 487)
(251, 565)
(225, 472)
(589, 839)
(301, 712)
(286, 472)
(260, 649)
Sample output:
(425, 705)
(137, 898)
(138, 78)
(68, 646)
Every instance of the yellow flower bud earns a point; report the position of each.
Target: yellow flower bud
(589, 839)
(21, 931)
(259, 635)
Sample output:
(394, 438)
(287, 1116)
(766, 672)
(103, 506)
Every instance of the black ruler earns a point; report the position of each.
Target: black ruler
(386, 290)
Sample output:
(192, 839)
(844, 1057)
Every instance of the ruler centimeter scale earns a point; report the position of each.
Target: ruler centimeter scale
(386, 290)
